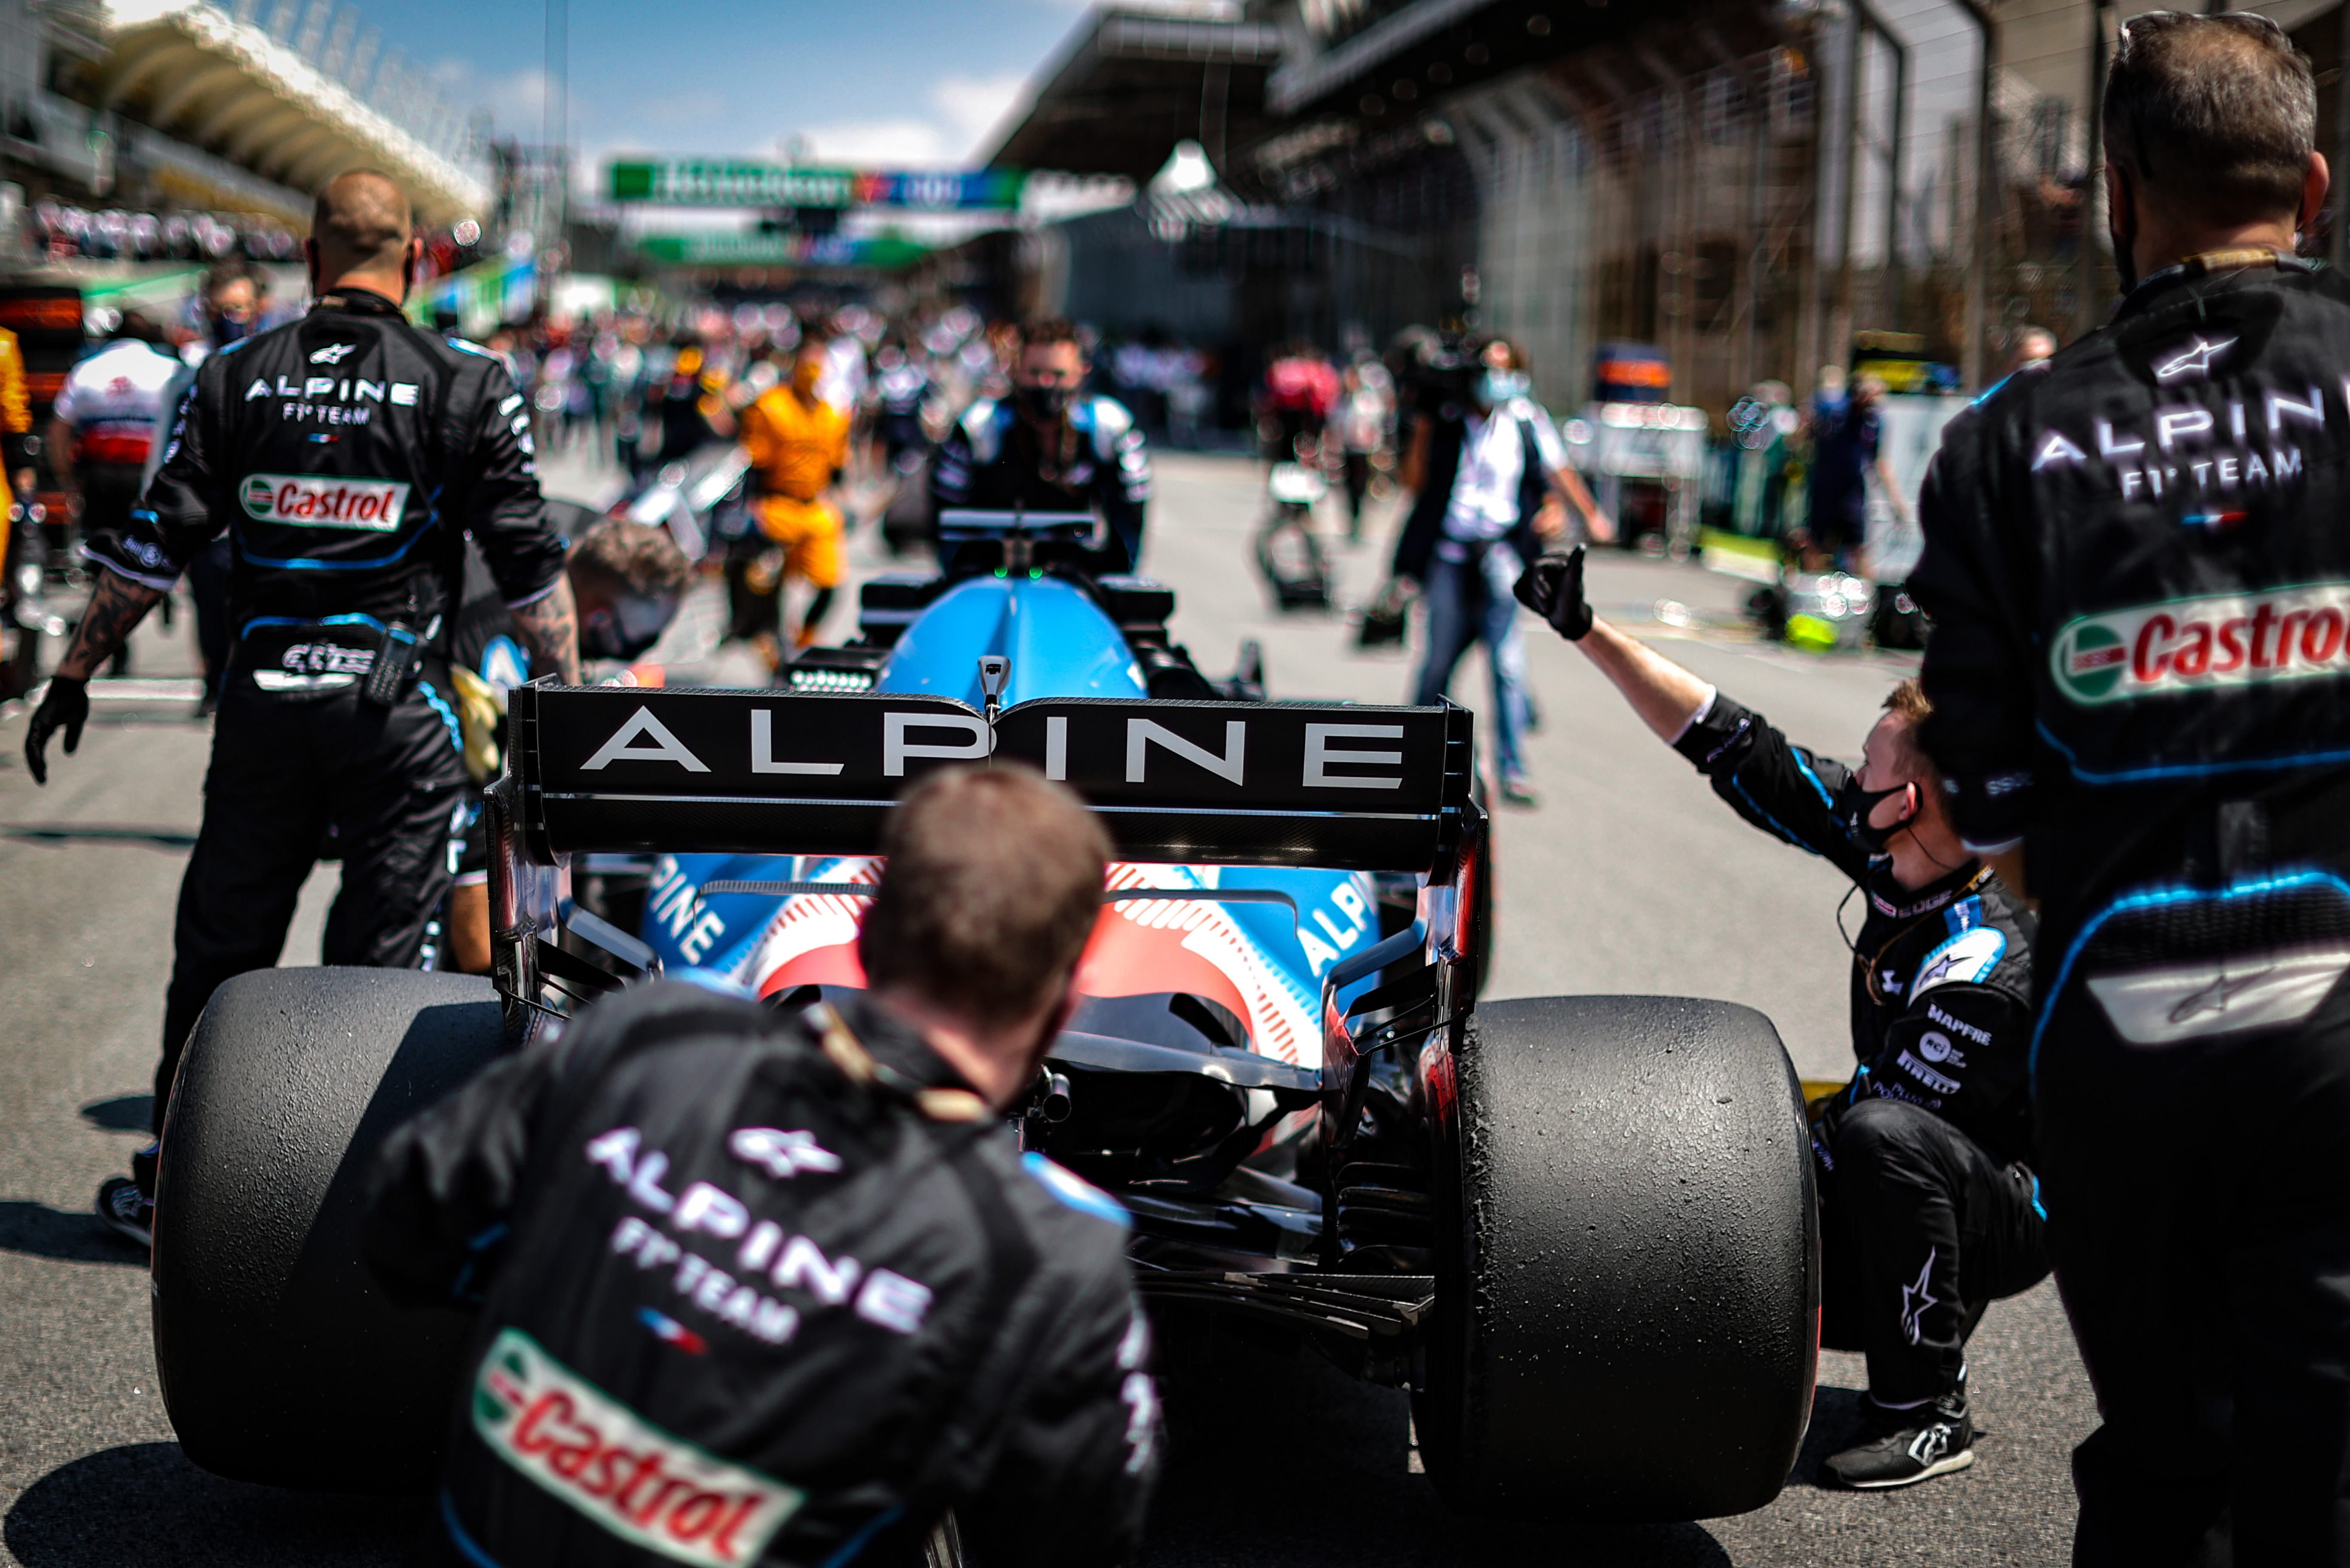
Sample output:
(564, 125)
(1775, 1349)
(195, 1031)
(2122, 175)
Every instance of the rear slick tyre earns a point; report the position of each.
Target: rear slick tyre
(1627, 1261)
(281, 1360)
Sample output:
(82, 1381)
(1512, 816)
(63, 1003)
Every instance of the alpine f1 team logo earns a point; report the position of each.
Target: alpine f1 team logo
(626, 1474)
(317, 501)
(2226, 639)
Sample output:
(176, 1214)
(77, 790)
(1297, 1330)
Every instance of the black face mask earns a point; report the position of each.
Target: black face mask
(628, 627)
(1043, 403)
(1853, 806)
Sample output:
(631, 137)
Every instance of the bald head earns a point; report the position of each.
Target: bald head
(360, 233)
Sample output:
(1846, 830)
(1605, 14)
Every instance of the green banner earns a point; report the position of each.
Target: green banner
(885, 251)
(741, 182)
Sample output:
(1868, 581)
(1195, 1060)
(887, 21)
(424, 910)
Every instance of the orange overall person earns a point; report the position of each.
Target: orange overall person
(798, 443)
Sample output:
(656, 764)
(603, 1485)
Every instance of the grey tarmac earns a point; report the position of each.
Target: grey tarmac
(1630, 876)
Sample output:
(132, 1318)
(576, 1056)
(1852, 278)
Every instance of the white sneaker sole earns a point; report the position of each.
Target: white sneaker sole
(1941, 1467)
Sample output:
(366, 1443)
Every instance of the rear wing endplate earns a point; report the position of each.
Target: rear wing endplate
(1271, 783)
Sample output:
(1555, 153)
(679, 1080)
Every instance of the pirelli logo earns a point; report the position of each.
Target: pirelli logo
(317, 501)
(2224, 640)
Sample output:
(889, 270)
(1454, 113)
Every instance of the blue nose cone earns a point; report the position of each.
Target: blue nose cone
(1059, 642)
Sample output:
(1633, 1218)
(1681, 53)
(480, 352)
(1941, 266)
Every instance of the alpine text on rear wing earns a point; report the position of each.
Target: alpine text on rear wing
(1303, 783)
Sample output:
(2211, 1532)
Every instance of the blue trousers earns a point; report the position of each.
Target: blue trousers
(1470, 602)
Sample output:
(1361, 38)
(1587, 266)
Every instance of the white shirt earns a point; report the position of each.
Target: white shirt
(1485, 503)
(118, 398)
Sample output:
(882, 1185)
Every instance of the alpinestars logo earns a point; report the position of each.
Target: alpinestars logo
(332, 354)
(2195, 360)
(1917, 1298)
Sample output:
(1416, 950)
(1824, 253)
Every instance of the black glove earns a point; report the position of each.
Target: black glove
(1553, 588)
(67, 707)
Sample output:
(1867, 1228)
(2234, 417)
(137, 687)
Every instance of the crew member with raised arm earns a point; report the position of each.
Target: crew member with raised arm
(1929, 1210)
(349, 455)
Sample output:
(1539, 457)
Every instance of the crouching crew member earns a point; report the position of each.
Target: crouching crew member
(1928, 1210)
(762, 1287)
(349, 455)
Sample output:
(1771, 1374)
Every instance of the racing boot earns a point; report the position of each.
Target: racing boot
(127, 1204)
(1902, 1448)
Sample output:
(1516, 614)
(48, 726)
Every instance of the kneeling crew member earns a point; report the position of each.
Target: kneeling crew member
(768, 1288)
(1929, 1211)
(355, 454)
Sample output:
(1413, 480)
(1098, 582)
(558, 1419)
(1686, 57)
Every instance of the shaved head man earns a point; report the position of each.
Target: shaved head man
(357, 455)
(362, 235)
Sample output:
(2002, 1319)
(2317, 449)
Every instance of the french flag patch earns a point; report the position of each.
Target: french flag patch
(668, 1328)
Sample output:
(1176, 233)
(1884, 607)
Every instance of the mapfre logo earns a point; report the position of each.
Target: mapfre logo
(316, 501)
(585, 1447)
(2226, 639)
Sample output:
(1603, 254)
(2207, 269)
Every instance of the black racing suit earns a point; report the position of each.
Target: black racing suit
(747, 1297)
(994, 462)
(349, 455)
(2140, 583)
(1928, 1210)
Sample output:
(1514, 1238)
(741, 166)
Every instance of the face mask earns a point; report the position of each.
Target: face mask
(625, 627)
(1853, 806)
(1499, 387)
(228, 330)
(1045, 402)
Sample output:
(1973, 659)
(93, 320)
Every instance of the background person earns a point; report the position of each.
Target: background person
(1847, 443)
(1488, 477)
(1928, 1210)
(793, 1257)
(310, 733)
(798, 446)
(2179, 805)
(104, 425)
(1050, 446)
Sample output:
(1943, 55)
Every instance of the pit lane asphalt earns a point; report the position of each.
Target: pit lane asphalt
(1630, 876)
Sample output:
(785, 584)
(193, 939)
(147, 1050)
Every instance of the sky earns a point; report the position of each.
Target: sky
(873, 83)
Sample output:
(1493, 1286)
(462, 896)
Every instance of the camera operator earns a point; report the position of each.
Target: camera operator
(1928, 1212)
(1050, 446)
(1489, 479)
(781, 1284)
(2139, 575)
(334, 442)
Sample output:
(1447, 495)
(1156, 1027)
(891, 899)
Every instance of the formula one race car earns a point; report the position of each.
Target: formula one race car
(1580, 1230)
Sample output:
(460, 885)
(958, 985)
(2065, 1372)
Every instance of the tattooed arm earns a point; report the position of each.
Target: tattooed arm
(549, 628)
(116, 605)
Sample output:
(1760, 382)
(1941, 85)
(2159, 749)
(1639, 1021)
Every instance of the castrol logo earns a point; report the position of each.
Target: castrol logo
(2187, 645)
(317, 501)
(645, 1486)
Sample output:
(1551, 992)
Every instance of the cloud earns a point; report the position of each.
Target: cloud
(681, 108)
(879, 142)
(964, 112)
(973, 107)
(517, 101)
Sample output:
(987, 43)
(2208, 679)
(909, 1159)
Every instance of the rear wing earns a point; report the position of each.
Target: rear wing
(776, 771)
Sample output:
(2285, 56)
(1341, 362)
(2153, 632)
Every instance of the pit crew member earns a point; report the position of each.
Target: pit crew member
(1930, 1211)
(1050, 446)
(2138, 576)
(349, 455)
(778, 1288)
(798, 447)
(626, 579)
